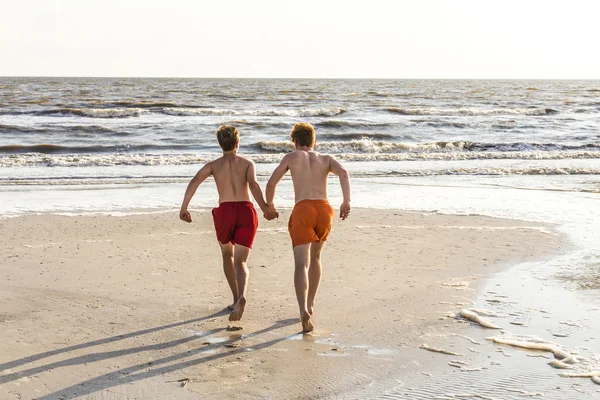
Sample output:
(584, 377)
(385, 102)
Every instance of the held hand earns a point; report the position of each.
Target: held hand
(271, 214)
(185, 215)
(344, 210)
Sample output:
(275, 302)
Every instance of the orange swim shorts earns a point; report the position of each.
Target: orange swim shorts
(310, 222)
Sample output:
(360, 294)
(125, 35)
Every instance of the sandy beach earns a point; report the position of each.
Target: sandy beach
(132, 307)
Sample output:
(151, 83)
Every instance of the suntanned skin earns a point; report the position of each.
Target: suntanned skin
(235, 177)
(309, 171)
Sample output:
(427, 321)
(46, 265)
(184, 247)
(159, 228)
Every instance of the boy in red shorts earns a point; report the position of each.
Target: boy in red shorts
(235, 219)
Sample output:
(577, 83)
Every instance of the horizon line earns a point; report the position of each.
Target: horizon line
(289, 78)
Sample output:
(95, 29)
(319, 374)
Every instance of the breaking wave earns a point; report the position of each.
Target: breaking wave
(83, 150)
(142, 159)
(77, 129)
(96, 112)
(349, 124)
(358, 144)
(305, 112)
(471, 111)
(363, 143)
(356, 136)
(128, 112)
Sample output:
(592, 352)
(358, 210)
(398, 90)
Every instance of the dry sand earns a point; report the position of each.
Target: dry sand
(104, 307)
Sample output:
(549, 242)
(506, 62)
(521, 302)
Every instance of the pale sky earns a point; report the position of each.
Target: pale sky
(301, 39)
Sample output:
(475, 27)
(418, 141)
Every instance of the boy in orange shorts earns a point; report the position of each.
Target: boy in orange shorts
(311, 219)
(235, 219)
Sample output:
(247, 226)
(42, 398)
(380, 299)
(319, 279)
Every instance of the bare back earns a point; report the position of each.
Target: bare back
(230, 174)
(309, 171)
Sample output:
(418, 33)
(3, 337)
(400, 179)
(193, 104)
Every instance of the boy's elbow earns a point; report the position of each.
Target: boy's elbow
(344, 174)
(254, 185)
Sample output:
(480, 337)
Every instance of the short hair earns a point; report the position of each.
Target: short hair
(228, 136)
(303, 134)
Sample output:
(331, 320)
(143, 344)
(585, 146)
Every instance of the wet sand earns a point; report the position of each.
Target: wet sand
(133, 307)
(547, 345)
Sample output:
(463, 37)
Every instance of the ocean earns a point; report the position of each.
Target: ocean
(457, 127)
(87, 132)
(527, 150)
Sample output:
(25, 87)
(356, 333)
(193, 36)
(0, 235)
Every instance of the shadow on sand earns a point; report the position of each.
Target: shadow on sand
(132, 374)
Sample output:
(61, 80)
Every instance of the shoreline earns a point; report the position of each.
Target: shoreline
(153, 284)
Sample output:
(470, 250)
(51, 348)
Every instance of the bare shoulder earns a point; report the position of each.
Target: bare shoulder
(325, 158)
(213, 163)
(206, 170)
(289, 157)
(210, 164)
(245, 161)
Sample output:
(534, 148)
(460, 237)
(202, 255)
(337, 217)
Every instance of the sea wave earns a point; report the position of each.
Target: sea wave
(500, 171)
(365, 144)
(145, 104)
(128, 112)
(83, 150)
(471, 111)
(351, 143)
(447, 124)
(42, 128)
(480, 171)
(95, 112)
(141, 159)
(304, 112)
(258, 124)
(356, 136)
(525, 146)
(349, 124)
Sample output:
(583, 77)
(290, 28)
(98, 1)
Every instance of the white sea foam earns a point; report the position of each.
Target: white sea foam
(103, 112)
(141, 159)
(303, 112)
(471, 111)
(535, 343)
(437, 350)
(487, 313)
(594, 375)
(366, 145)
(473, 315)
(445, 150)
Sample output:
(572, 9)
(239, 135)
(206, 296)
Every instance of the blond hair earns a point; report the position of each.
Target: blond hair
(228, 136)
(303, 134)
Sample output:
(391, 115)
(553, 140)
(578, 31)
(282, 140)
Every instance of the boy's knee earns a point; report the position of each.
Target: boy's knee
(227, 253)
(300, 266)
(239, 264)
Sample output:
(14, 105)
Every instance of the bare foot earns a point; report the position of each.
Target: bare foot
(310, 310)
(238, 310)
(307, 325)
(232, 305)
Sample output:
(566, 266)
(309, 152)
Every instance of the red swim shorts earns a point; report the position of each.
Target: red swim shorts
(236, 222)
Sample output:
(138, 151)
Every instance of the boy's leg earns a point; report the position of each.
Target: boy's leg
(301, 260)
(229, 270)
(314, 274)
(240, 258)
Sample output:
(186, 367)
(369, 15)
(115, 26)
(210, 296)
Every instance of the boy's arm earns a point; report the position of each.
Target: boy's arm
(200, 177)
(257, 193)
(337, 169)
(276, 176)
